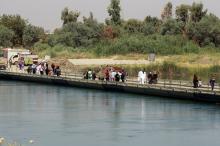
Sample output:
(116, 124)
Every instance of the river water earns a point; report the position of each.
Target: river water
(64, 116)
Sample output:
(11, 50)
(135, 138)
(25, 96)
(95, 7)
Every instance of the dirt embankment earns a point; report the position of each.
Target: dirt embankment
(107, 62)
(81, 65)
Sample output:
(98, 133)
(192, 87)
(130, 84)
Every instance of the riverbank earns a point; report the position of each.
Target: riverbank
(168, 67)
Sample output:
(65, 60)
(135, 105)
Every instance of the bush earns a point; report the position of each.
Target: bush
(214, 69)
(190, 47)
(38, 47)
(56, 51)
(137, 43)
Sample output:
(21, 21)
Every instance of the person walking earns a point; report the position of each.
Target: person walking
(34, 66)
(41, 69)
(93, 75)
(90, 74)
(195, 81)
(107, 75)
(113, 75)
(144, 77)
(20, 65)
(58, 71)
(212, 83)
(140, 76)
(200, 83)
(29, 69)
(155, 77)
(38, 68)
(150, 78)
(110, 70)
(53, 68)
(47, 69)
(117, 77)
(123, 74)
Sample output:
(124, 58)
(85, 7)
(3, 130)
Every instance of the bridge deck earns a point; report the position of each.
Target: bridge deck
(175, 89)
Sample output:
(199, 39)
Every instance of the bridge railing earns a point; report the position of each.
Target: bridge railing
(162, 84)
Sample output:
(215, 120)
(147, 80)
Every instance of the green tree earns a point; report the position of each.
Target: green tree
(167, 12)
(69, 16)
(32, 34)
(182, 16)
(151, 25)
(6, 36)
(133, 26)
(206, 31)
(149, 29)
(182, 13)
(114, 12)
(90, 21)
(95, 27)
(197, 12)
(153, 20)
(15, 23)
(75, 34)
(171, 27)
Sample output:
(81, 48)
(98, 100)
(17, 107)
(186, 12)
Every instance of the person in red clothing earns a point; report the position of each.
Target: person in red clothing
(53, 68)
(107, 75)
(195, 81)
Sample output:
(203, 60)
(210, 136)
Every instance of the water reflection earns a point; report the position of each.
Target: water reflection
(61, 116)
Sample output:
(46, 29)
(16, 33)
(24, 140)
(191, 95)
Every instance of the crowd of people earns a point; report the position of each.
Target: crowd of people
(90, 75)
(108, 74)
(112, 74)
(44, 69)
(117, 74)
(197, 82)
(150, 78)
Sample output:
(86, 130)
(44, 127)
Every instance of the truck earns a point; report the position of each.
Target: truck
(14, 55)
(28, 59)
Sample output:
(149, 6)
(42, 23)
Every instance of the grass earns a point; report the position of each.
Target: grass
(170, 66)
(204, 59)
(166, 70)
(205, 63)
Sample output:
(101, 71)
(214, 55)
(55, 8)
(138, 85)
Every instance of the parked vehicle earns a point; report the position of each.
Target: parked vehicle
(14, 55)
(28, 59)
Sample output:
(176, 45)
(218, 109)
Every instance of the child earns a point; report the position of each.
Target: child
(200, 83)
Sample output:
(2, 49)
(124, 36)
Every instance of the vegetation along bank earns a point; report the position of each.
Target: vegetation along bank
(191, 29)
